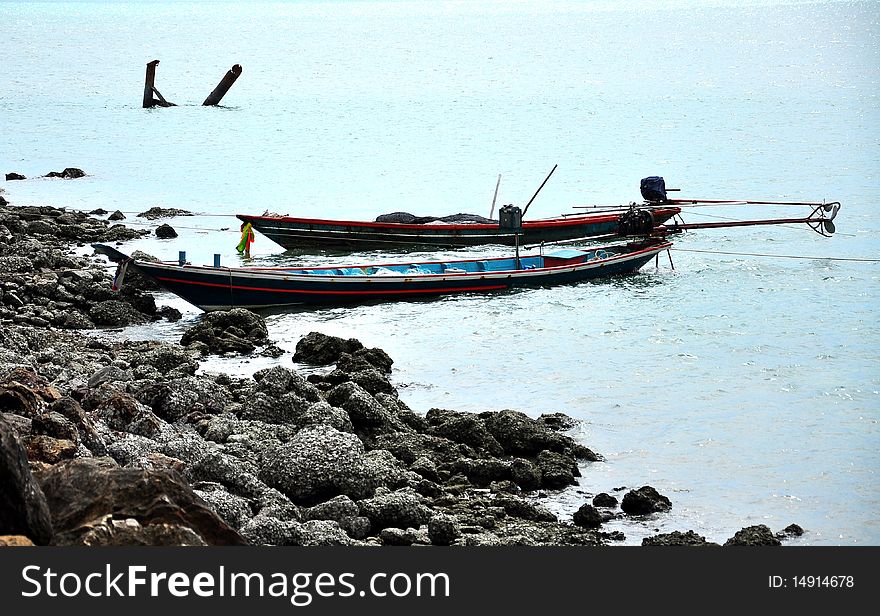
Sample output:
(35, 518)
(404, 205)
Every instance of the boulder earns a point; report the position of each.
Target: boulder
(689, 538)
(319, 463)
(557, 470)
(116, 313)
(400, 509)
(587, 516)
(320, 349)
(643, 501)
(603, 499)
(24, 510)
(443, 529)
(165, 232)
(759, 534)
(159, 212)
(82, 493)
(238, 331)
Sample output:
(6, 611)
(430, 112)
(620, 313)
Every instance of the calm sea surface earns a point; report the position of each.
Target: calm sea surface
(744, 387)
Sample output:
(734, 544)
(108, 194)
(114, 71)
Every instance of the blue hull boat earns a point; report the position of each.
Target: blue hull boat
(222, 288)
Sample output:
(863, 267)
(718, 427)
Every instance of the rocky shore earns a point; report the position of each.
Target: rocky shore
(107, 441)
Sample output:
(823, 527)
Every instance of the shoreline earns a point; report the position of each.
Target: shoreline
(120, 442)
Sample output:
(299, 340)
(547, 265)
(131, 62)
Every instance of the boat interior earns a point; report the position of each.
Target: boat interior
(554, 259)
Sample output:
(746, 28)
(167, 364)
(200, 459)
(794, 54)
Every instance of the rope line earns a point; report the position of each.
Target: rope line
(758, 254)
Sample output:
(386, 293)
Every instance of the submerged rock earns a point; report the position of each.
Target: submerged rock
(759, 534)
(165, 232)
(690, 538)
(643, 501)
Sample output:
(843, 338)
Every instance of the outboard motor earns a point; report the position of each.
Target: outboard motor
(635, 222)
(510, 218)
(654, 189)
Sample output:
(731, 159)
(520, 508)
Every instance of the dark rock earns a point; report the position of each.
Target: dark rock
(320, 349)
(790, 531)
(759, 534)
(399, 509)
(169, 314)
(604, 499)
(165, 232)
(17, 398)
(481, 472)
(238, 330)
(518, 507)
(344, 512)
(98, 212)
(23, 510)
(643, 501)
(287, 408)
(443, 529)
(587, 516)
(81, 493)
(557, 421)
(520, 435)
(464, 428)
(407, 447)
(55, 425)
(690, 538)
(14, 176)
(158, 212)
(229, 471)
(88, 433)
(525, 474)
(115, 313)
(368, 416)
(42, 448)
(234, 510)
(125, 413)
(166, 358)
(175, 398)
(557, 470)
(365, 359)
(117, 215)
(277, 381)
(319, 463)
(504, 485)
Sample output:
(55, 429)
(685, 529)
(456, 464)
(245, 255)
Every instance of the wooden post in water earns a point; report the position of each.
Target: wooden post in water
(150, 89)
(222, 88)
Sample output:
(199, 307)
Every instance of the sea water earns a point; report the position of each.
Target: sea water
(744, 384)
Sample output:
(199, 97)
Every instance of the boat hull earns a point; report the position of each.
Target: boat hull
(296, 233)
(218, 288)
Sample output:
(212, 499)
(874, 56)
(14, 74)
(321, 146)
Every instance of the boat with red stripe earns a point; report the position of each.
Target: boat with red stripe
(221, 288)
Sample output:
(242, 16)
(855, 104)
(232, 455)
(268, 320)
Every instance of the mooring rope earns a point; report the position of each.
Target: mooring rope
(758, 254)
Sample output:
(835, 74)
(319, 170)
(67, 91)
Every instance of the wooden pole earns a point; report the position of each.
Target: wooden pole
(149, 84)
(223, 87)
(150, 89)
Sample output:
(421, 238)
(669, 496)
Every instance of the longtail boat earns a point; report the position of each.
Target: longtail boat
(292, 232)
(221, 288)
(461, 230)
